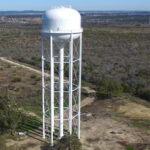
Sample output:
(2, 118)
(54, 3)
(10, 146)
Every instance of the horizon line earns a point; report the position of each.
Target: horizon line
(77, 9)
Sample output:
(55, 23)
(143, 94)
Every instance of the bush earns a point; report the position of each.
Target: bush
(33, 76)
(127, 88)
(11, 87)
(69, 143)
(38, 78)
(129, 147)
(143, 93)
(108, 88)
(10, 116)
(35, 61)
(9, 66)
(16, 79)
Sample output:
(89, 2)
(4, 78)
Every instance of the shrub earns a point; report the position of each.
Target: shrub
(1, 68)
(12, 119)
(108, 88)
(34, 83)
(35, 61)
(47, 66)
(38, 78)
(9, 66)
(127, 88)
(21, 59)
(69, 143)
(16, 79)
(10, 116)
(11, 87)
(129, 147)
(143, 93)
(33, 76)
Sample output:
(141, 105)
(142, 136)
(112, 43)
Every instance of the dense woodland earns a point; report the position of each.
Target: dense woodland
(118, 50)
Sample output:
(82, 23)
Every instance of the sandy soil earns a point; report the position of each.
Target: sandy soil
(104, 130)
(107, 134)
(135, 111)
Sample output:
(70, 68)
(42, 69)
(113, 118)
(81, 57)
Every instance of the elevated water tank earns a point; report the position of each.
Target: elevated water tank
(61, 21)
(61, 27)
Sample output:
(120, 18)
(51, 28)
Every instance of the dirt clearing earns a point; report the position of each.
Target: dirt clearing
(105, 129)
(106, 124)
(135, 111)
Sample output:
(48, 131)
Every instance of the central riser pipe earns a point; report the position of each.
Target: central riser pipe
(52, 88)
(61, 89)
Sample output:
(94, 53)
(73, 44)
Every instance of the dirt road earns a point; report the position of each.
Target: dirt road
(22, 66)
(3, 59)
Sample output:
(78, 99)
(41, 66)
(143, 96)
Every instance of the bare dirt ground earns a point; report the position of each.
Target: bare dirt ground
(105, 129)
(10, 71)
(101, 129)
(106, 124)
(34, 141)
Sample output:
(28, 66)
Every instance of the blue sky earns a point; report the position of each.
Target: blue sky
(77, 4)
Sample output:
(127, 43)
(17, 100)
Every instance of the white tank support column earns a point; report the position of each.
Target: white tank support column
(61, 90)
(43, 87)
(70, 82)
(79, 91)
(52, 88)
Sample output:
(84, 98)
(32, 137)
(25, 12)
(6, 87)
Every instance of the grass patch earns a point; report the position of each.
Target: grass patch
(145, 124)
(129, 147)
(31, 102)
(2, 142)
(30, 123)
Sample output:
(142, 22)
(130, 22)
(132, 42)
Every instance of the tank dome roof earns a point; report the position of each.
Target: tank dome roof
(61, 20)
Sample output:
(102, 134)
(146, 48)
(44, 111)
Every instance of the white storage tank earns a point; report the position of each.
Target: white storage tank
(61, 21)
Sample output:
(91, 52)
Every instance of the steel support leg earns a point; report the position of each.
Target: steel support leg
(70, 83)
(79, 91)
(43, 88)
(61, 89)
